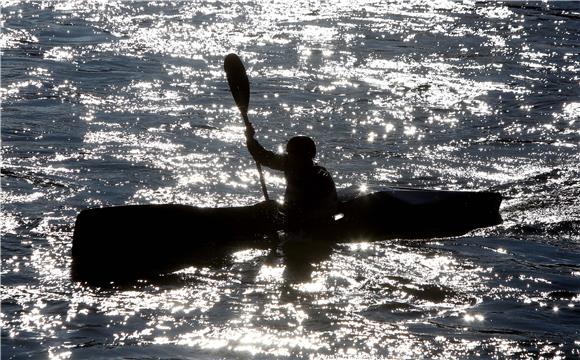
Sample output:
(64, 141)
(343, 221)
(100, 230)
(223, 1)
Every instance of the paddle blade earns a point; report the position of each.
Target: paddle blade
(238, 81)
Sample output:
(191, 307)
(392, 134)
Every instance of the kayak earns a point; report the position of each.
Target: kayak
(134, 241)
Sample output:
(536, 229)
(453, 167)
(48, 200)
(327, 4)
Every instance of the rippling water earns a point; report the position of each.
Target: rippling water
(113, 102)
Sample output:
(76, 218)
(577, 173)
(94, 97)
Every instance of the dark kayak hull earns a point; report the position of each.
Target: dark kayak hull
(126, 242)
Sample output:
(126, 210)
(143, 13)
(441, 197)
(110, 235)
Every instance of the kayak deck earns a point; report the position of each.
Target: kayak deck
(126, 242)
(419, 214)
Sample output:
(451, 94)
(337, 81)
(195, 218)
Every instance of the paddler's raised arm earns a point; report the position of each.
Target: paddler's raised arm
(261, 155)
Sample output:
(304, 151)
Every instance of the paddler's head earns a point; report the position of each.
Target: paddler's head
(301, 150)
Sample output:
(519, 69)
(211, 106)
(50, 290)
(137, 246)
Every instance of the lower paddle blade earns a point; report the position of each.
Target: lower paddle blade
(238, 81)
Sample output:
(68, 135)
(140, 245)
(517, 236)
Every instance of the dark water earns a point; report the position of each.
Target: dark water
(109, 103)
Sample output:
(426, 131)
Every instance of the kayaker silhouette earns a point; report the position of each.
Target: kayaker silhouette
(129, 236)
(310, 198)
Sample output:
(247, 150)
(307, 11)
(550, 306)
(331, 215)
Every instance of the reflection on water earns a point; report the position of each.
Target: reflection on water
(108, 103)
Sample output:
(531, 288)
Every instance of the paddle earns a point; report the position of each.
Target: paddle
(240, 88)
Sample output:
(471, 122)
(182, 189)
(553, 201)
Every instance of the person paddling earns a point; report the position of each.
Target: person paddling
(310, 198)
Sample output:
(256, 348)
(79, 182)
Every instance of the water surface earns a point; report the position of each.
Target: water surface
(117, 102)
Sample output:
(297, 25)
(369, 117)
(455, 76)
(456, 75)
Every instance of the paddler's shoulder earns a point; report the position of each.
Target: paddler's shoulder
(321, 171)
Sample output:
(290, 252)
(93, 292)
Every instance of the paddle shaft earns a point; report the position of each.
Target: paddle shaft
(258, 166)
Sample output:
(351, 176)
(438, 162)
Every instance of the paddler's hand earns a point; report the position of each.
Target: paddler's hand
(250, 132)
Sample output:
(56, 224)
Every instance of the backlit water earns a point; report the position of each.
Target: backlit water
(115, 102)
